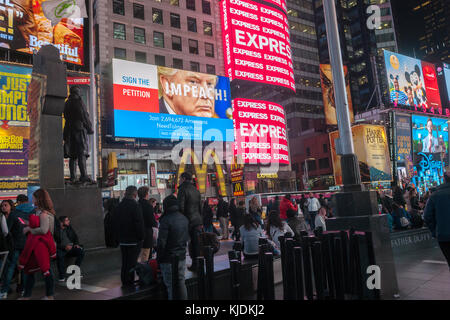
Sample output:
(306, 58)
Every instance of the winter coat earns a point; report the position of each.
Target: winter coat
(149, 222)
(71, 235)
(189, 203)
(437, 213)
(237, 217)
(285, 205)
(129, 223)
(222, 209)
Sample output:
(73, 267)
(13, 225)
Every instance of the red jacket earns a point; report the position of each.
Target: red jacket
(285, 205)
(38, 251)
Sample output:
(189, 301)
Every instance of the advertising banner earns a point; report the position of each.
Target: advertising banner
(14, 122)
(430, 151)
(260, 132)
(444, 73)
(326, 79)
(413, 84)
(166, 103)
(23, 27)
(404, 142)
(371, 148)
(256, 43)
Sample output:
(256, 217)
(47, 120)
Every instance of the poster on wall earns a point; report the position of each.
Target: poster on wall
(326, 79)
(371, 148)
(430, 151)
(413, 84)
(166, 103)
(404, 148)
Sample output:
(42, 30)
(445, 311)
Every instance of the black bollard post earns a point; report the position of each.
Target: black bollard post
(356, 263)
(283, 265)
(289, 269)
(270, 286)
(318, 269)
(298, 263)
(235, 268)
(339, 269)
(307, 268)
(261, 287)
(346, 261)
(209, 257)
(201, 283)
(174, 263)
(328, 264)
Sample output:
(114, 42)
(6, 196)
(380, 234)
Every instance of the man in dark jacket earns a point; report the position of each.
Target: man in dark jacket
(189, 202)
(222, 215)
(149, 223)
(172, 241)
(129, 226)
(67, 245)
(437, 216)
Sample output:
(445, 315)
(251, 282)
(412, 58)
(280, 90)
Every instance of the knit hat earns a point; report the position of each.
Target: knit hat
(169, 201)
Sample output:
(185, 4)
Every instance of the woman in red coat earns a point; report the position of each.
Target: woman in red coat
(285, 205)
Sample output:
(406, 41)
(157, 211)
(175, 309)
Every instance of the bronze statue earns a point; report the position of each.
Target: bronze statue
(76, 130)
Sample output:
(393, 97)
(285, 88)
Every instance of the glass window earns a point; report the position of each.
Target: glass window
(139, 35)
(206, 7)
(176, 43)
(141, 57)
(324, 163)
(175, 20)
(325, 148)
(195, 66)
(175, 3)
(160, 60)
(119, 7)
(177, 63)
(157, 16)
(190, 4)
(193, 46)
(158, 39)
(120, 53)
(192, 24)
(119, 31)
(209, 50)
(207, 28)
(210, 69)
(138, 11)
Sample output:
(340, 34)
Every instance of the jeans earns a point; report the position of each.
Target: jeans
(445, 248)
(312, 223)
(29, 284)
(74, 252)
(166, 271)
(10, 267)
(224, 227)
(130, 256)
(194, 248)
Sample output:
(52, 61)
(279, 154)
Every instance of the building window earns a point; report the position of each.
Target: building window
(176, 43)
(324, 163)
(209, 50)
(207, 28)
(325, 148)
(192, 24)
(195, 66)
(141, 57)
(139, 35)
(157, 16)
(119, 7)
(120, 53)
(210, 69)
(160, 60)
(308, 152)
(175, 20)
(190, 4)
(311, 165)
(175, 3)
(193, 46)
(158, 39)
(138, 11)
(119, 31)
(177, 63)
(206, 7)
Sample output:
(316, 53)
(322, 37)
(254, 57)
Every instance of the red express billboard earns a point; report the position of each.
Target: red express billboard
(256, 42)
(260, 132)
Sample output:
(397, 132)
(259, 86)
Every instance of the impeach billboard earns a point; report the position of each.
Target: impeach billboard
(23, 27)
(165, 103)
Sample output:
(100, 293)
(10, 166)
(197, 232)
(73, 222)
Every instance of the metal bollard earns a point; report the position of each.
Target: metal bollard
(290, 270)
(270, 286)
(345, 257)
(283, 265)
(318, 269)
(328, 264)
(261, 287)
(209, 258)
(235, 269)
(339, 269)
(201, 281)
(298, 263)
(356, 266)
(307, 268)
(174, 263)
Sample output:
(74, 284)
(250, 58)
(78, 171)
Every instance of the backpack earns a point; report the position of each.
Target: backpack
(404, 222)
(416, 219)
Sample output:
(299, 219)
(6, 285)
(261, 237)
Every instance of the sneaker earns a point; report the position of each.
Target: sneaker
(3, 295)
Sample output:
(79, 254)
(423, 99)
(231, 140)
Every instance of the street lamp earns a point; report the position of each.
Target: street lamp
(306, 170)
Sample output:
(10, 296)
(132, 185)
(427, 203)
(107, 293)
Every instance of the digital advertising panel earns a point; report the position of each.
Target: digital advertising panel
(444, 74)
(256, 42)
(430, 151)
(23, 27)
(326, 79)
(413, 84)
(165, 103)
(403, 148)
(260, 132)
(372, 150)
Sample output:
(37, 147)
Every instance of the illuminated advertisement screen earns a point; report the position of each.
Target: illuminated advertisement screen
(413, 84)
(23, 27)
(446, 70)
(14, 124)
(165, 103)
(430, 151)
(260, 130)
(256, 42)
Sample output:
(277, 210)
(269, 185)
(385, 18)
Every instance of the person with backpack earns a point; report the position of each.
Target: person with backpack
(172, 241)
(400, 216)
(285, 205)
(208, 217)
(222, 215)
